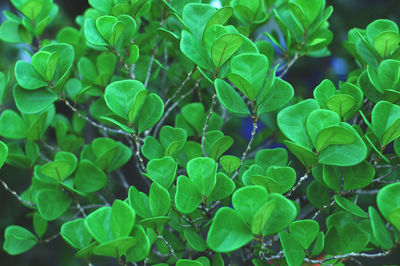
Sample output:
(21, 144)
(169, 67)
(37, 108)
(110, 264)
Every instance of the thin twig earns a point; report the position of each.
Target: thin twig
(248, 148)
(172, 107)
(49, 239)
(178, 90)
(301, 180)
(289, 65)
(138, 156)
(101, 197)
(153, 55)
(322, 209)
(15, 194)
(172, 251)
(203, 139)
(95, 124)
(122, 178)
(349, 255)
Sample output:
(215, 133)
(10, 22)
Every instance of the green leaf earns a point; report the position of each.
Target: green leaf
(311, 8)
(194, 50)
(386, 42)
(58, 169)
(323, 92)
(292, 121)
(91, 33)
(152, 110)
(280, 94)
(230, 163)
(162, 171)
(385, 121)
(333, 135)
(186, 262)
(115, 248)
(318, 120)
(220, 146)
(347, 154)
(3, 153)
(76, 234)
(261, 217)
(284, 176)
(379, 230)
(122, 219)
(195, 16)
(224, 47)
(89, 178)
(248, 200)
(223, 188)
(380, 25)
(272, 157)
(282, 215)
(203, 173)
(353, 239)
(253, 68)
(318, 244)
(172, 139)
(18, 240)
(119, 124)
(294, 252)
(152, 149)
(187, 196)
(341, 103)
(388, 200)
(350, 206)
(98, 223)
(304, 232)
(194, 115)
(27, 77)
(228, 231)
(306, 156)
(230, 98)
(195, 240)
(140, 251)
(39, 224)
(159, 200)
(358, 176)
(120, 96)
(43, 99)
(139, 202)
(102, 5)
(54, 208)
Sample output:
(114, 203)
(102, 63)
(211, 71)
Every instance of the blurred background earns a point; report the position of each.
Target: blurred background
(304, 76)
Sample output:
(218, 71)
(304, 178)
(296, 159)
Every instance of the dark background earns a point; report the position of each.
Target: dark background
(304, 76)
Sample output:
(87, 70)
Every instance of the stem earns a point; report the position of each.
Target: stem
(289, 65)
(248, 148)
(301, 180)
(172, 251)
(95, 124)
(15, 194)
(138, 156)
(203, 139)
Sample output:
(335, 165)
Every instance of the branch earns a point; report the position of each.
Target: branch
(203, 139)
(172, 107)
(138, 156)
(189, 75)
(153, 55)
(15, 194)
(349, 255)
(289, 65)
(248, 148)
(322, 209)
(301, 180)
(49, 239)
(172, 251)
(95, 124)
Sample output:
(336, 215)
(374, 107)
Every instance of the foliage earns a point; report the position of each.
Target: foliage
(312, 200)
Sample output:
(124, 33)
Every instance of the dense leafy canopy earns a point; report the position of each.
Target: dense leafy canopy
(151, 87)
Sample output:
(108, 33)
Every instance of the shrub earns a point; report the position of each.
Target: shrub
(153, 86)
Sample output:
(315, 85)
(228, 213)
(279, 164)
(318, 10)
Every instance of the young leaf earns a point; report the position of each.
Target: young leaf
(39, 224)
(248, 200)
(379, 230)
(304, 232)
(224, 47)
(54, 208)
(18, 240)
(159, 200)
(89, 178)
(122, 219)
(203, 173)
(294, 252)
(187, 196)
(228, 231)
(350, 206)
(98, 223)
(230, 98)
(76, 234)
(162, 171)
(152, 110)
(388, 200)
